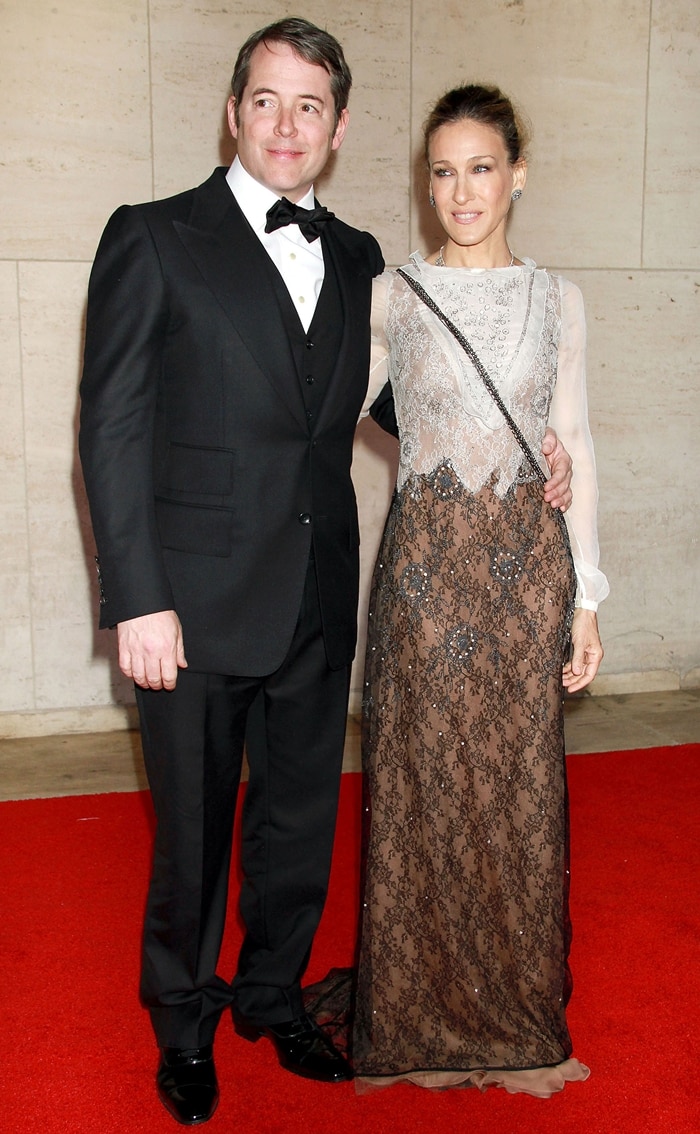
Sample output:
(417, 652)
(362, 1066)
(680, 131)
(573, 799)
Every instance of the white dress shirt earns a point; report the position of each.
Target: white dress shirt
(299, 262)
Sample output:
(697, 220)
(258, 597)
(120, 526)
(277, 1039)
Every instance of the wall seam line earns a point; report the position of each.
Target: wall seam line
(27, 525)
(150, 99)
(409, 180)
(646, 140)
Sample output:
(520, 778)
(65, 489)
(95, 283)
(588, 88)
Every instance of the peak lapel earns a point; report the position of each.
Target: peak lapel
(237, 270)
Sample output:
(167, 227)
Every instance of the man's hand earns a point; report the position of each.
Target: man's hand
(557, 491)
(588, 651)
(151, 649)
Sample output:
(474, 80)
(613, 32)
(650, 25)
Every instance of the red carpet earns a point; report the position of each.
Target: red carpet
(78, 1055)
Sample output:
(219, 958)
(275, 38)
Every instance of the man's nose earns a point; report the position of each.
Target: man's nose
(285, 124)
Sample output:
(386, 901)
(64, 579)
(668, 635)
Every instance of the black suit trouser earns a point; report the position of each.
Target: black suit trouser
(193, 739)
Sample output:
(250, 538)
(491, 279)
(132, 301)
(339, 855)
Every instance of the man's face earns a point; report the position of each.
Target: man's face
(286, 121)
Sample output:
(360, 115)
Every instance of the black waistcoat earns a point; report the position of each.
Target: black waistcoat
(315, 351)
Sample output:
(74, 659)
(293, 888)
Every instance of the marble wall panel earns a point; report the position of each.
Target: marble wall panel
(79, 81)
(16, 672)
(77, 134)
(580, 73)
(73, 665)
(371, 186)
(12, 418)
(193, 52)
(671, 212)
(645, 409)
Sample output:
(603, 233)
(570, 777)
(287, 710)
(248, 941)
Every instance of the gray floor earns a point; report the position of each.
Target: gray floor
(41, 767)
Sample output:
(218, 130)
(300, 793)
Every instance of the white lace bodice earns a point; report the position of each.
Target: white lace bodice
(528, 328)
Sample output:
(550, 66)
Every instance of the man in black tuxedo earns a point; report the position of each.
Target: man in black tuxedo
(225, 368)
(226, 363)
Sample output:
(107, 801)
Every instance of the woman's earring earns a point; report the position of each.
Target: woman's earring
(431, 201)
(516, 194)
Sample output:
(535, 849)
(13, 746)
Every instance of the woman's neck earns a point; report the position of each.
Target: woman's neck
(462, 256)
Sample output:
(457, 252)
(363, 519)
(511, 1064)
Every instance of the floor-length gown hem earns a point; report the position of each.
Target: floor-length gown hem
(539, 1082)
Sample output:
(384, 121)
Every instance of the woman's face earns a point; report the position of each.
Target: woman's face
(472, 180)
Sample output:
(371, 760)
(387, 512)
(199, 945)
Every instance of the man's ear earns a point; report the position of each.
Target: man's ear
(231, 113)
(340, 129)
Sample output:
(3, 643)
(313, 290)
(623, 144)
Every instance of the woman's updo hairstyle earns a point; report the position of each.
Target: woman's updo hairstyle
(487, 105)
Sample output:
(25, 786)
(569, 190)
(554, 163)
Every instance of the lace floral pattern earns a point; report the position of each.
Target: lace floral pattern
(465, 932)
(463, 962)
(512, 319)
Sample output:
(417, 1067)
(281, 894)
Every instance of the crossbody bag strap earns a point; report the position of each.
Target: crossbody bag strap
(478, 366)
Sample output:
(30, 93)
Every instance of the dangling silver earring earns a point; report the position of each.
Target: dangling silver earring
(431, 201)
(516, 194)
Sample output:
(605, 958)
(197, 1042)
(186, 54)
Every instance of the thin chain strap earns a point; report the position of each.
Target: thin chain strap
(478, 366)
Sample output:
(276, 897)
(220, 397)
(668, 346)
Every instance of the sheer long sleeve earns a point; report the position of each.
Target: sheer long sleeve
(569, 418)
(379, 357)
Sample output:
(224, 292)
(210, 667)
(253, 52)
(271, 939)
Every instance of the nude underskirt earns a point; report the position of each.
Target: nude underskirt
(540, 1082)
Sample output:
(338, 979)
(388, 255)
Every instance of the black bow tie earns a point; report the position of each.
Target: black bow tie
(310, 221)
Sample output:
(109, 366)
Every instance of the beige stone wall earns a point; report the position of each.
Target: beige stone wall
(106, 102)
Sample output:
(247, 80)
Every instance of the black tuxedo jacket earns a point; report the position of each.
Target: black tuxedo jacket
(208, 485)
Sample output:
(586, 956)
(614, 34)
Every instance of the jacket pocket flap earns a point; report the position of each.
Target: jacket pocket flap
(200, 471)
(201, 531)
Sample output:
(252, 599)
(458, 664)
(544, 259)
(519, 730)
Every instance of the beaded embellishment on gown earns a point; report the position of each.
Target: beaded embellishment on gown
(463, 970)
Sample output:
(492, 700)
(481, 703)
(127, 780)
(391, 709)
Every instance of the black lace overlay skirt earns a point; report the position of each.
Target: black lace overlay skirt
(465, 928)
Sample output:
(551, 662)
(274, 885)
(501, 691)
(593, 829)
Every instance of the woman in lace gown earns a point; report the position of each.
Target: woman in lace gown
(463, 972)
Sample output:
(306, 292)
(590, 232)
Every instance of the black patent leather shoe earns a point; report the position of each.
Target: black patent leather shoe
(301, 1047)
(186, 1083)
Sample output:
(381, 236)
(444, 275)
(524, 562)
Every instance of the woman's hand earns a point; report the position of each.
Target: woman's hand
(588, 651)
(557, 490)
